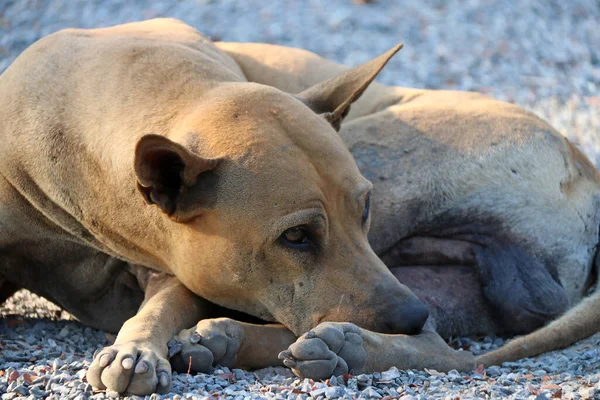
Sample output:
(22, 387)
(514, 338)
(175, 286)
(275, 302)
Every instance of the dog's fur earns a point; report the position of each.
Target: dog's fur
(465, 180)
(144, 181)
(462, 188)
(448, 164)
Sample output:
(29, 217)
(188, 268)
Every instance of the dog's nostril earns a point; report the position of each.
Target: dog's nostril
(408, 318)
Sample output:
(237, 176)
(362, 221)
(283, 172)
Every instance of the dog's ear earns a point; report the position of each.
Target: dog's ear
(333, 97)
(166, 170)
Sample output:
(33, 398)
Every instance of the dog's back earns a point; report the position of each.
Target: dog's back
(444, 159)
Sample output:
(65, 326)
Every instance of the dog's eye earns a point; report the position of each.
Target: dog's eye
(296, 237)
(365, 215)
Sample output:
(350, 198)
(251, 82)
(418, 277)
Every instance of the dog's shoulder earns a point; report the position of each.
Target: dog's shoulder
(142, 50)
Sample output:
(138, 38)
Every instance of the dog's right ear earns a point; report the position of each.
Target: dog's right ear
(165, 170)
(332, 98)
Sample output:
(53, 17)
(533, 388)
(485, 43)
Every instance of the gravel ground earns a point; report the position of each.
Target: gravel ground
(544, 56)
(44, 354)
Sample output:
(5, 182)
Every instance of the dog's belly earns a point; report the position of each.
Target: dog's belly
(97, 289)
(476, 283)
(454, 296)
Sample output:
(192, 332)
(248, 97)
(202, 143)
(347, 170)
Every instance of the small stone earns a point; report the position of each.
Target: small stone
(590, 354)
(57, 363)
(238, 373)
(21, 389)
(38, 393)
(390, 374)
(333, 392)
(318, 392)
(370, 393)
(587, 392)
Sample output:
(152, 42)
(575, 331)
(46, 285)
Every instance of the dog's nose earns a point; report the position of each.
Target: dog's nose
(408, 318)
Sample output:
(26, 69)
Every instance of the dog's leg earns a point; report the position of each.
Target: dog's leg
(229, 343)
(7, 289)
(578, 323)
(335, 348)
(137, 362)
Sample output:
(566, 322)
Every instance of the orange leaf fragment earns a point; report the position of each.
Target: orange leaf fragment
(29, 377)
(13, 376)
(550, 386)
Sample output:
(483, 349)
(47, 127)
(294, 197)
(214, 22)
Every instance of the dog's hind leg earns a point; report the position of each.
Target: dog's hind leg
(578, 323)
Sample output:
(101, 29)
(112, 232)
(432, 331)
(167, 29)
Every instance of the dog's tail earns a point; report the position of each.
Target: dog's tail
(578, 323)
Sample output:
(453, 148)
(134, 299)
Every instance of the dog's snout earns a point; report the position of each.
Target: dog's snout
(408, 317)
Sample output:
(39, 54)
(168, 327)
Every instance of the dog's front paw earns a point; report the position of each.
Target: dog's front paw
(130, 367)
(332, 348)
(211, 342)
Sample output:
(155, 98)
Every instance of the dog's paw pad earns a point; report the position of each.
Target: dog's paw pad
(330, 349)
(130, 367)
(211, 342)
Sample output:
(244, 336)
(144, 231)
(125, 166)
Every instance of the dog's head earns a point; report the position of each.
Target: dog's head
(268, 211)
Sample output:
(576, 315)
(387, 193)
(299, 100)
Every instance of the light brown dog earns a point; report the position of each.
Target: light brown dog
(480, 207)
(145, 183)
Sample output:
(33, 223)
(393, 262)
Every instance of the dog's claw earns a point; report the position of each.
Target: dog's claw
(175, 349)
(141, 367)
(105, 360)
(195, 338)
(289, 362)
(127, 363)
(163, 379)
(284, 354)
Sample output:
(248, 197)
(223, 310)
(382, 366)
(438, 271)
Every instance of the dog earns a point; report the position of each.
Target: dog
(146, 185)
(485, 211)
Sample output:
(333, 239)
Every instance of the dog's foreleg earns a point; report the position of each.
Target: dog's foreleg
(229, 343)
(334, 348)
(137, 362)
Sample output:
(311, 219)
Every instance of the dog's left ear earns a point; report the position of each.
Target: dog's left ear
(167, 172)
(333, 97)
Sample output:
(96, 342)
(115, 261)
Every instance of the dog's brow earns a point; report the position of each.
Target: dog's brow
(360, 190)
(305, 216)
